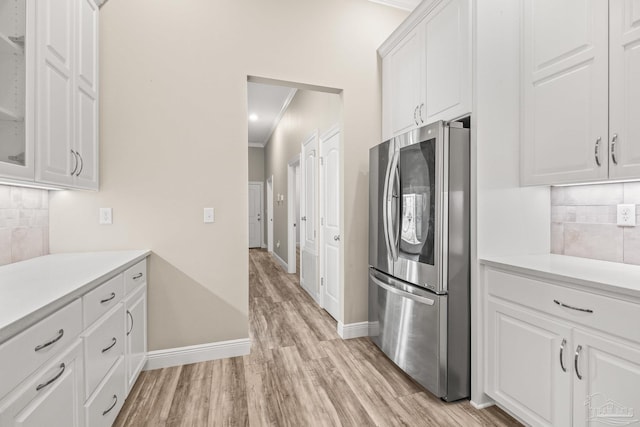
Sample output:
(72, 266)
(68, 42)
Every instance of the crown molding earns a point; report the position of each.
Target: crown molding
(285, 105)
(414, 18)
(407, 5)
(256, 145)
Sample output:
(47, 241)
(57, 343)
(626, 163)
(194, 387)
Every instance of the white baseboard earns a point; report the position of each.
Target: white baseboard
(353, 330)
(280, 260)
(482, 405)
(264, 246)
(197, 353)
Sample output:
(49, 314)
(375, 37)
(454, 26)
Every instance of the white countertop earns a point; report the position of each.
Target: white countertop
(613, 277)
(31, 290)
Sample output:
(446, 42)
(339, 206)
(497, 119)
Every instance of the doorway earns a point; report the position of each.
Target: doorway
(270, 214)
(256, 233)
(293, 212)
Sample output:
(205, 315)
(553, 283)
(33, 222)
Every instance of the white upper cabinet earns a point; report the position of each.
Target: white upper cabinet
(581, 93)
(624, 81)
(426, 72)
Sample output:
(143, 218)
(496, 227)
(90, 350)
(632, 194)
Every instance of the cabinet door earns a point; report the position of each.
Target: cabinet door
(86, 95)
(54, 92)
(624, 108)
(403, 85)
(529, 364)
(565, 96)
(52, 397)
(448, 64)
(609, 390)
(136, 341)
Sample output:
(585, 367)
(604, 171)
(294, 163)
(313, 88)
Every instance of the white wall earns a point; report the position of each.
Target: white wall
(509, 219)
(173, 116)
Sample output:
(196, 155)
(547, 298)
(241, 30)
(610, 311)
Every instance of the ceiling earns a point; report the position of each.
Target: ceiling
(268, 103)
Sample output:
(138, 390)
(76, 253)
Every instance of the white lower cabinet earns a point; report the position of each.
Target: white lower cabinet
(136, 338)
(529, 357)
(53, 396)
(103, 407)
(549, 363)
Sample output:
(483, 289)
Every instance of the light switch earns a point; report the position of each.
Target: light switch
(208, 215)
(627, 215)
(106, 216)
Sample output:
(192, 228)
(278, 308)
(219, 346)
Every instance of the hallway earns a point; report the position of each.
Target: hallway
(299, 373)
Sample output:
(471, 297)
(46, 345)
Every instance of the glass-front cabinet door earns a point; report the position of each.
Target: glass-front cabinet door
(16, 141)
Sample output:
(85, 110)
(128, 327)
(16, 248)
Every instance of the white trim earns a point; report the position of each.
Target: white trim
(197, 353)
(407, 5)
(256, 145)
(280, 261)
(416, 17)
(482, 405)
(353, 330)
(262, 215)
(276, 121)
(291, 212)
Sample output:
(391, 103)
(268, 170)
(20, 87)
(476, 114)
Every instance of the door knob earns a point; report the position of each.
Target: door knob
(336, 237)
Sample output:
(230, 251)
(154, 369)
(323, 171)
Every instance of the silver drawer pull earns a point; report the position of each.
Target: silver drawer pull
(584, 310)
(52, 380)
(575, 361)
(113, 342)
(564, 342)
(112, 296)
(130, 317)
(113, 405)
(394, 290)
(53, 341)
(137, 276)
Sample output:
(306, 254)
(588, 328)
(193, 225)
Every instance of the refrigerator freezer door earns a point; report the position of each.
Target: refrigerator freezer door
(380, 158)
(409, 325)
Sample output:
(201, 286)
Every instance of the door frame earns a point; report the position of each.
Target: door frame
(270, 214)
(262, 215)
(291, 213)
(335, 129)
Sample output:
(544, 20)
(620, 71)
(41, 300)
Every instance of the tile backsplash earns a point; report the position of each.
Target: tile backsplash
(24, 223)
(583, 222)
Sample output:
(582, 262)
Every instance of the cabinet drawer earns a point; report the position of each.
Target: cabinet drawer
(103, 407)
(103, 344)
(100, 300)
(135, 276)
(26, 352)
(607, 314)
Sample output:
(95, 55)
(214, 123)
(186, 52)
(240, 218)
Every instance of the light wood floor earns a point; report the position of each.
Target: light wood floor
(299, 373)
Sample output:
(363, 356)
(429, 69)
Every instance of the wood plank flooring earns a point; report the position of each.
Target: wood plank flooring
(299, 373)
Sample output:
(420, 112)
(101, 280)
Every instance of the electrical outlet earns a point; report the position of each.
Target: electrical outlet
(627, 215)
(106, 216)
(209, 215)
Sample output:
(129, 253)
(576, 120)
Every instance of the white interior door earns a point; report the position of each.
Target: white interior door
(308, 217)
(270, 214)
(255, 215)
(330, 245)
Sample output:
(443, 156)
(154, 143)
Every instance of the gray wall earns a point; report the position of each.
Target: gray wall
(256, 164)
(583, 222)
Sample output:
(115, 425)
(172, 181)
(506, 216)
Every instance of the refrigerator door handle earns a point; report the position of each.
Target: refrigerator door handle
(393, 230)
(394, 290)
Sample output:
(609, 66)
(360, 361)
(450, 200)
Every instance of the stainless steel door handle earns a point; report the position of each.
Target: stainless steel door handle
(597, 151)
(614, 140)
(75, 167)
(81, 163)
(415, 114)
(130, 317)
(420, 112)
(112, 296)
(575, 361)
(393, 290)
(53, 341)
(52, 380)
(564, 342)
(584, 310)
(336, 237)
(115, 402)
(113, 342)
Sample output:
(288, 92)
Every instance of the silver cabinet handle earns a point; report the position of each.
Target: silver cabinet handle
(575, 361)
(52, 380)
(53, 341)
(336, 237)
(304, 218)
(130, 317)
(113, 342)
(393, 290)
(115, 402)
(420, 112)
(75, 167)
(415, 115)
(564, 342)
(112, 296)
(597, 152)
(81, 163)
(137, 276)
(614, 140)
(584, 310)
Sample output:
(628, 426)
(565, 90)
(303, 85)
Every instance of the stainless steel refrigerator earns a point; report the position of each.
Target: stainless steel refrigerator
(419, 308)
